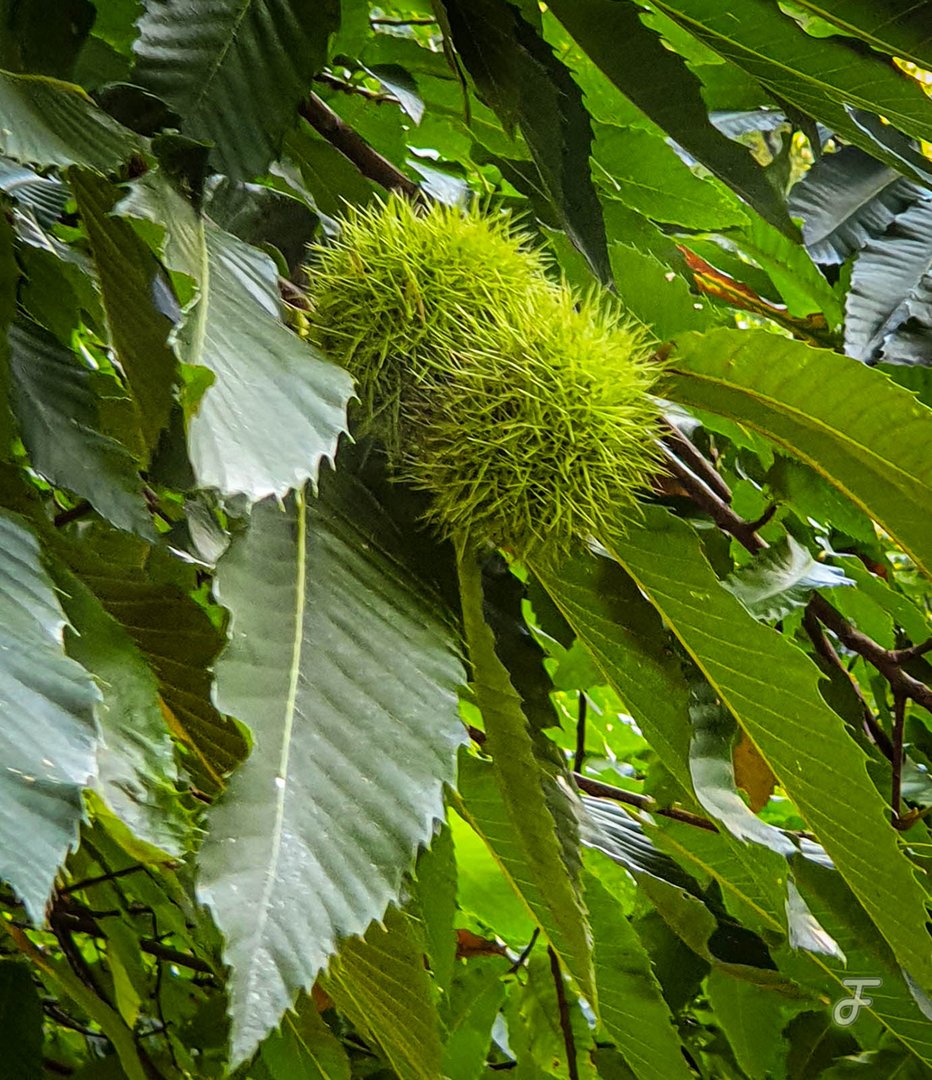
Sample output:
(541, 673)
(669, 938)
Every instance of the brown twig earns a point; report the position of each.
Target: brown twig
(355, 148)
(642, 802)
(582, 709)
(886, 661)
(79, 510)
(689, 454)
(896, 785)
(379, 97)
(826, 650)
(714, 505)
(525, 953)
(566, 1025)
(426, 21)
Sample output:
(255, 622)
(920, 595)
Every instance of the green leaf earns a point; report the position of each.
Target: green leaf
(854, 426)
(519, 823)
(823, 77)
(518, 74)
(631, 1006)
(475, 1000)
(434, 903)
(801, 739)
(646, 174)
(845, 199)
(484, 807)
(343, 666)
(304, 1047)
(867, 955)
(275, 407)
(46, 122)
(57, 408)
(750, 1019)
(129, 282)
(483, 890)
(802, 286)
(20, 1023)
(200, 57)
(330, 179)
(781, 579)
(896, 27)
(48, 737)
(181, 660)
(635, 59)
(656, 295)
(628, 643)
(380, 982)
(137, 772)
(713, 773)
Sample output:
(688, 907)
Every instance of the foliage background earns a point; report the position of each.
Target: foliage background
(288, 792)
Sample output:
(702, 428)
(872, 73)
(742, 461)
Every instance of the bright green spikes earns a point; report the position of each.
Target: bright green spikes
(524, 410)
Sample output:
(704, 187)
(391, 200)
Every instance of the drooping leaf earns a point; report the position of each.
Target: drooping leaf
(889, 305)
(57, 410)
(381, 983)
(823, 77)
(522, 823)
(48, 737)
(712, 768)
(855, 427)
(781, 579)
(274, 407)
(20, 1023)
(181, 660)
(137, 771)
(343, 667)
(518, 74)
(632, 1008)
(130, 284)
(44, 196)
(644, 70)
(200, 58)
(304, 1047)
(801, 739)
(47, 122)
(846, 199)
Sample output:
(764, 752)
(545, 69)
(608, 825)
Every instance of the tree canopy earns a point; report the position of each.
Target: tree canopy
(294, 784)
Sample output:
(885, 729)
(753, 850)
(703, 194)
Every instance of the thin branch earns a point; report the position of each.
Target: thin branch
(566, 1026)
(688, 453)
(582, 709)
(714, 505)
(884, 660)
(379, 97)
(887, 661)
(642, 802)
(525, 953)
(175, 956)
(355, 148)
(426, 21)
(86, 883)
(79, 510)
(826, 650)
(896, 785)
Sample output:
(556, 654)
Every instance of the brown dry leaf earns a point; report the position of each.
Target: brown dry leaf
(752, 773)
